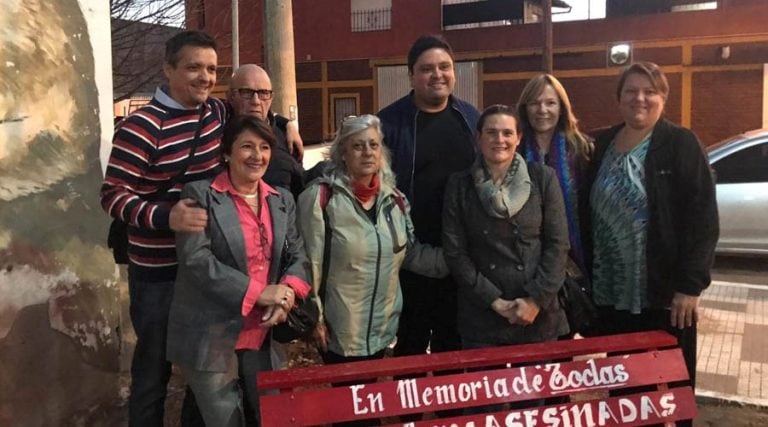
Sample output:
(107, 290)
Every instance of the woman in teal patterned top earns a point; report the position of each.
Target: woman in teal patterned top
(653, 216)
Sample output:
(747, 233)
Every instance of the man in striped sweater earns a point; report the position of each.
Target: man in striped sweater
(150, 148)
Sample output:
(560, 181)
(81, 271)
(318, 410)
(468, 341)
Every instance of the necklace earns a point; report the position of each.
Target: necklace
(249, 196)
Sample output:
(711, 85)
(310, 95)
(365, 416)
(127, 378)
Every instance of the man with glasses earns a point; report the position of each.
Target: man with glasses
(251, 94)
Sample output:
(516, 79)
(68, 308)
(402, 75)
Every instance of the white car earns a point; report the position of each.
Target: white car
(741, 170)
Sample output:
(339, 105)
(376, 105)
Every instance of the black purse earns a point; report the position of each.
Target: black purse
(302, 320)
(117, 240)
(576, 300)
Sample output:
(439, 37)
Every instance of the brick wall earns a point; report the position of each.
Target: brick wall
(726, 103)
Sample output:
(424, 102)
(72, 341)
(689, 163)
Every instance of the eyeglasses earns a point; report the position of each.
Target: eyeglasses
(247, 94)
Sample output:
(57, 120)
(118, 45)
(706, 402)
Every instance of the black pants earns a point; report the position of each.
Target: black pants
(150, 371)
(429, 314)
(612, 321)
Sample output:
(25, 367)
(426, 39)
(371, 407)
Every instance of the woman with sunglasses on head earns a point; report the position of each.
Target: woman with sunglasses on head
(237, 279)
(551, 136)
(358, 233)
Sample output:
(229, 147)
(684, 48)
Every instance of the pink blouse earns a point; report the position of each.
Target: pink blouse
(257, 230)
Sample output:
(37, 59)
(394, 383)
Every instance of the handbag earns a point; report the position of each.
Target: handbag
(576, 300)
(302, 320)
(117, 238)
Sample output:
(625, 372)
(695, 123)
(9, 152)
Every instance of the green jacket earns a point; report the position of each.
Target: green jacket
(361, 302)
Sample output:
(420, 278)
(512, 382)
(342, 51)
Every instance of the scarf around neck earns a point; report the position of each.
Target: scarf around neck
(564, 164)
(366, 192)
(506, 199)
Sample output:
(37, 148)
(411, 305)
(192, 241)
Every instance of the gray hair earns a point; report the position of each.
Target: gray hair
(353, 125)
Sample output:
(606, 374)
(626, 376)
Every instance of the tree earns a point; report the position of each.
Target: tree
(139, 31)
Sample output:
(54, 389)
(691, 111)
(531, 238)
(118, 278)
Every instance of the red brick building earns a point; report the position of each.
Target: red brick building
(714, 58)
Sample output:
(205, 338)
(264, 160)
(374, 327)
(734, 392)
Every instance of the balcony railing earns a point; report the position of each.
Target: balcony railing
(371, 20)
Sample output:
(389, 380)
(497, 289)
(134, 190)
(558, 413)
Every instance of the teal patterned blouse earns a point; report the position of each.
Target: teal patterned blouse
(619, 220)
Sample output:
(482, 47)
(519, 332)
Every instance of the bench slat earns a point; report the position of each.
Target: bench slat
(429, 394)
(654, 407)
(463, 359)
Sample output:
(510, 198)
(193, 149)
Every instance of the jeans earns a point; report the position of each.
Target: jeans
(150, 371)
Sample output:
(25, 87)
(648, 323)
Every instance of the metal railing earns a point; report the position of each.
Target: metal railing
(371, 20)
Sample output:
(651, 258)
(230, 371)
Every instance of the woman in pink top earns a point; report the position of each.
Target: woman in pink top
(236, 279)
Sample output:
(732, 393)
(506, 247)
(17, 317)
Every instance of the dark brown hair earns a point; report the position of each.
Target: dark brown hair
(186, 38)
(423, 44)
(498, 109)
(240, 124)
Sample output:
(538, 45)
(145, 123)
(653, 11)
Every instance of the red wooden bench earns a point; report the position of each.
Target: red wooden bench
(645, 375)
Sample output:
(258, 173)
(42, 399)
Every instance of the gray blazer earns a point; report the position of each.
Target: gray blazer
(205, 317)
(523, 256)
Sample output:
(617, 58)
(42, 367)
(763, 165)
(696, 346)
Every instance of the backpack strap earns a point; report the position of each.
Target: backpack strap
(325, 196)
(400, 200)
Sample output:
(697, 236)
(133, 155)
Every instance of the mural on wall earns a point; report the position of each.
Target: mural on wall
(59, 305)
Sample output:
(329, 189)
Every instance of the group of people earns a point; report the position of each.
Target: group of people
(431, 225)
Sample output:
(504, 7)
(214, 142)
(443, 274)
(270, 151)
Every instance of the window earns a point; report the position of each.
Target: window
(705, 5)
(343, 105)
(744, 166)
(393, 83)
(371, 15)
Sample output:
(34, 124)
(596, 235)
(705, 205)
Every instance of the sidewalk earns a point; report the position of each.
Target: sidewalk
(732, 350)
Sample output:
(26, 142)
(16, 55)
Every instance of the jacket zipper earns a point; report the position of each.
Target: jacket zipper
(375, 289)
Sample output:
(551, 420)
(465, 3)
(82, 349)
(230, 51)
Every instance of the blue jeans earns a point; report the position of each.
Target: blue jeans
(150, 371)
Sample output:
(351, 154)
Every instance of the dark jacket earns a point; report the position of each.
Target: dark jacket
(283, 170)
(399, 125)
(205, 316)
(498, 258)
(683, 224)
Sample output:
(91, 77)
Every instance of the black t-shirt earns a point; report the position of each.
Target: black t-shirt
(443, 146)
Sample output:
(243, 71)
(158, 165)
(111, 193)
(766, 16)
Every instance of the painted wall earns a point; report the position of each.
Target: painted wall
(59, 302)
(715, 96)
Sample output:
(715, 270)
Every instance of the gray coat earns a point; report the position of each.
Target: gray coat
(205, 318)
(493, 258)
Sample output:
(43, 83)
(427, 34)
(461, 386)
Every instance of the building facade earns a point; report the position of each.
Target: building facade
(351, 55)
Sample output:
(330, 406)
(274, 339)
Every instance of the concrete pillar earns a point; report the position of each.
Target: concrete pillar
(280, 58)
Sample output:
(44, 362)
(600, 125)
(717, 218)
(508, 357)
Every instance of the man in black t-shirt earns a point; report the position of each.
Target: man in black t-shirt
(430, 135)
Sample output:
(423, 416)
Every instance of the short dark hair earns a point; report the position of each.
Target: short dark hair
(240, 124)
(648, 69)
(499, 109)
(424, 43)
(186, 38)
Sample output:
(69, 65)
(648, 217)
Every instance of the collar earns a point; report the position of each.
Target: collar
(162, 95)
(223, 184)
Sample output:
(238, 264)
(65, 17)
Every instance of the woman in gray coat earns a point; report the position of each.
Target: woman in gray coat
(505, 239)
(236, 279)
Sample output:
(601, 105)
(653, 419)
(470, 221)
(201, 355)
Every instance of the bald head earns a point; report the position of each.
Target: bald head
(247, 79)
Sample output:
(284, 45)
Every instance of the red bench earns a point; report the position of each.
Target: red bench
(645, 375)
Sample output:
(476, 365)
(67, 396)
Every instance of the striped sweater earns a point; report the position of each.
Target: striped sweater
(149, 148)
